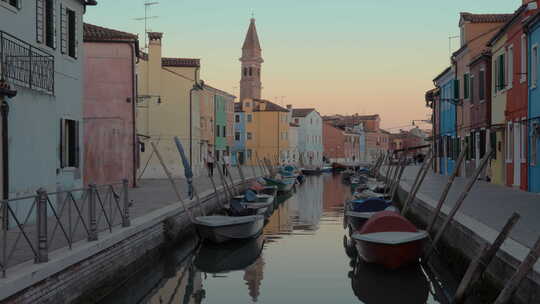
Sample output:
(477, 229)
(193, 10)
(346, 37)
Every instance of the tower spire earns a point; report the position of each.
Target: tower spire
(250, 83)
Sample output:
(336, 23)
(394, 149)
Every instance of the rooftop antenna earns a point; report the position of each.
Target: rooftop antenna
(147, 5)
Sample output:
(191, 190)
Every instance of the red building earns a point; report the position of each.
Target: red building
(334, 143)
(110, 153)
(516, 94)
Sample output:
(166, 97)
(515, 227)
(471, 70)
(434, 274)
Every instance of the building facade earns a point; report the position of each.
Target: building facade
(334, 143)
(239, 153)
(168, 107)
(109, 105)
(46, 115)
(310, 136)
(447, 140)
(533, 119)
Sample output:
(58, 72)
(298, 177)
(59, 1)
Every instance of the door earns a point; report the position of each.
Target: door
(241, 158)
(517, 154)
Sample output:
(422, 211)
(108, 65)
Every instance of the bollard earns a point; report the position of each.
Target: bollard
(126, 222)
(92, 221)
(42, 254)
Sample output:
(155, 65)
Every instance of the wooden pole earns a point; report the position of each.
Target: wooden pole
(224, 183)
(446, 190)
(394, 191)
(173, 184)
(388, 167)
(214, 186)
(460, 200)
(482, 261)
(524, 268)
(226, 166)
(412, 194)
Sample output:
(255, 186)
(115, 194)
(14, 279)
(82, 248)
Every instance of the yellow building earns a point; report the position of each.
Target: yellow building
(165, 87)
(498, 107)
(267, 130)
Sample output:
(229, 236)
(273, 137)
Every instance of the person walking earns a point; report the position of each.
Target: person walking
(210, 163)
(226, 163)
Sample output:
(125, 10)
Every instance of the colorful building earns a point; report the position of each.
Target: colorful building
(310, 136)
(221, 121)
(109, 105)
(533, 118)
(267, 130)
(239, 153)
(446, 139)
(44, 111)
(168, 107)
(476, 30)
(334, 143)
(207, 118)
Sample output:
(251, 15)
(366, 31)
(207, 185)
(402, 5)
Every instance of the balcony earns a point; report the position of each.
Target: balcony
(25, 65)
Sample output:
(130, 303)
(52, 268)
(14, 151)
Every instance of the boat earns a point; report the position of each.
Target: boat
(327, 169)
(231, 256)
(339, 167)
(358, 211)
(311, 171)
(371, 283)
(223, 228)
(263, 204)
(285, 184)
(389, 239)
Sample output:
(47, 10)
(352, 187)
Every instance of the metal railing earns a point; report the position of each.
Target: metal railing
(26, 65)
(51, 221)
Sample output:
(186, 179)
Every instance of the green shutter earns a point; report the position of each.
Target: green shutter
(501, 79)
(466, 85)
(456, 89)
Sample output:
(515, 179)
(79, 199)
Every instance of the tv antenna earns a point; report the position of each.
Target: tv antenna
(147, 6)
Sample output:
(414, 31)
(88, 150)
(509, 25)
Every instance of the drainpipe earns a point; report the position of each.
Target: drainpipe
(4, 108)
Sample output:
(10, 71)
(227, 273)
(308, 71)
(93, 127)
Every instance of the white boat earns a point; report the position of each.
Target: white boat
(222, 228)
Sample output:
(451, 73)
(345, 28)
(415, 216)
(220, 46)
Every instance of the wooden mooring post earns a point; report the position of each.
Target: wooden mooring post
(522, 271)
(228, 191)
(460, 201)
(478, 266)
(446, 190)
(414, 190)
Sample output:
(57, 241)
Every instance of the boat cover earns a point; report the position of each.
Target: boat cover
(369, 205)
(387, 221)
(391, 237)
(223, 220)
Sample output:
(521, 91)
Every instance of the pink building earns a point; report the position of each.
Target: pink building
(334, 143)
(110, 153)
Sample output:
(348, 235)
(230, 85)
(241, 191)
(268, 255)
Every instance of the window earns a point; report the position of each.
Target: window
(534, 66)
(217, 130)
(237, 136)
(250, 71)
(69, 33)
(471, 88)
(45, 22)
(510, 65)
(249, 118)
(224, 131)
(69, 143)
(249, 154)
(245, 71)
(523, 70)
(466, 85)
(296, 121)
(236, 118)
(457, 95)
(500, 73)
(534, 143)
(482, 85)
(249, 137)
(248, 104)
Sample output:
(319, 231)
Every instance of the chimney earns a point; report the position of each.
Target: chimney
(262, 105)
(154, 63)
(289, 107)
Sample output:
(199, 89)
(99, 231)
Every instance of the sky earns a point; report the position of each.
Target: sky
(338, 56)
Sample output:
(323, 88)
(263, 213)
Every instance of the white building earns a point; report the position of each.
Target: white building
(293, 154)
(42, 60)
(310, 136)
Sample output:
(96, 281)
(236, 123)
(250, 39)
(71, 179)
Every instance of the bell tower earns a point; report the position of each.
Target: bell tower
(250, 81)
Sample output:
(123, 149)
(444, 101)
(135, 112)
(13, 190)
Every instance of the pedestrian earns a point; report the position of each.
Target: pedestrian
(226, 163)
(210, 163)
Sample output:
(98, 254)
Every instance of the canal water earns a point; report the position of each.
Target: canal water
(300, 258)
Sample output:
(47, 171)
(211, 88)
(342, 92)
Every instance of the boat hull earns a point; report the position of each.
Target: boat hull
(391, 256)
(228, 233)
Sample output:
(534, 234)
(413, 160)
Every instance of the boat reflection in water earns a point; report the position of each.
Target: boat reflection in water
(227, 257)
(372, 283)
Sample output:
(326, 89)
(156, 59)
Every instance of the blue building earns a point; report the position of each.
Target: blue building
(447, 141)
(239, 153)
(533, 32)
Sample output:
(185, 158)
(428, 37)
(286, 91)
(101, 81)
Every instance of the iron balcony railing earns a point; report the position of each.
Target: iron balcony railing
(26, 65)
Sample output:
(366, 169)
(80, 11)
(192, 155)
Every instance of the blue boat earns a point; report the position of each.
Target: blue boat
(360, 210)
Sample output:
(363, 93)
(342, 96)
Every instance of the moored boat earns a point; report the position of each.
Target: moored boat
(311, 171)
(284, 184)
(223, 228)
(389, 239)
(360, 210)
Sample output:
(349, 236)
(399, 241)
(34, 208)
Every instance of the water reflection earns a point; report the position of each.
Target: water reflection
(298, 259)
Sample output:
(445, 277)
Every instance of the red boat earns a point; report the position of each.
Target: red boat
(389, 239)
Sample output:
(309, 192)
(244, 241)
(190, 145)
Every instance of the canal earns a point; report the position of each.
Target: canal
(300, 258)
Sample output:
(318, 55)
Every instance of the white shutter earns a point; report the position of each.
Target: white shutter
(63, 29)
(40, 5)
(55, 29)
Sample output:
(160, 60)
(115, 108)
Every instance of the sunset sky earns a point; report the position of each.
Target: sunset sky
(339, 56)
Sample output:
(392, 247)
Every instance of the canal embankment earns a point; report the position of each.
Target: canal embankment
(477, 223)
(89, 268)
